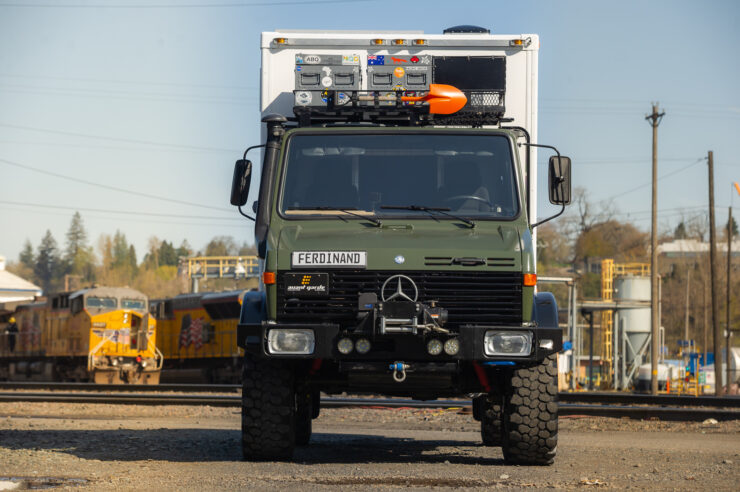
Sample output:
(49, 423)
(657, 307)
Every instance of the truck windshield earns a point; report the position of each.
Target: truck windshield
(470, 175)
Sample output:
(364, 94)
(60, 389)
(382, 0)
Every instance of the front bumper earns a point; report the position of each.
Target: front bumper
(407, 347)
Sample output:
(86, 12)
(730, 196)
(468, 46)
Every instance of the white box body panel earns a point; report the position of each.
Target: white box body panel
(278, 71)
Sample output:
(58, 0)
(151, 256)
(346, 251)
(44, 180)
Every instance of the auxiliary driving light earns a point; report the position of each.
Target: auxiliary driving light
(290, 341)
(508, 342)
(452, 346)
(362, 346)
(434, 347)
(345, 346)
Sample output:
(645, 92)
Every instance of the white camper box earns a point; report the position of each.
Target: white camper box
(280, 49)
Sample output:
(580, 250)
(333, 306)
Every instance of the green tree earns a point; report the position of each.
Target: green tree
(221, 246)
(26, 256)
(120, 251)
(184, 250)
(48, 265)
(78, 254)
(167, 254)
(680, 231)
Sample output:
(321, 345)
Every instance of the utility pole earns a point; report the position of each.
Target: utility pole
(686, 323)
(729, 273)
(713, 280)
(654, 120)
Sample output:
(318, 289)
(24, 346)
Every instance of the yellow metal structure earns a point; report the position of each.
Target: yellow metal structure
(609, 271)
(223, 267)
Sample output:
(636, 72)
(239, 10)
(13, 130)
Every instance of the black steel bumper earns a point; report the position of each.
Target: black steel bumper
(406, 347)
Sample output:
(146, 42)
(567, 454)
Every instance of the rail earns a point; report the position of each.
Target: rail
(566, 409)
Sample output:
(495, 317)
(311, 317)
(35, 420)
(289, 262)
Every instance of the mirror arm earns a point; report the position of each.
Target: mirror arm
(550, 218)
(558, 153)
(245, 215)
(245, 158)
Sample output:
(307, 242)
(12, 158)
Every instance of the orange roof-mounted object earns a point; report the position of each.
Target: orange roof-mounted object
(442, 99)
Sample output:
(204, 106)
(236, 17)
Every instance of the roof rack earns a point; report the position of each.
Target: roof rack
(482, 108)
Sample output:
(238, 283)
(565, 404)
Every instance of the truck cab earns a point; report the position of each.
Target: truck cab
(395, 222)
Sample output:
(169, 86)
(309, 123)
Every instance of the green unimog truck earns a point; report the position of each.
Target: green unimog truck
(395, 222)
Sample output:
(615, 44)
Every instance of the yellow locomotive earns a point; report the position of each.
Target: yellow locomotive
(103, 334)
(197, 335)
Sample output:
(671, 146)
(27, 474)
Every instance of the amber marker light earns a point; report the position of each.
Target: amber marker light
(530, 279)
(268, 278)
(377, 41)
(281, 40)
(420, 42)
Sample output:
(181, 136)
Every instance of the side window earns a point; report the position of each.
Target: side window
(76, 305)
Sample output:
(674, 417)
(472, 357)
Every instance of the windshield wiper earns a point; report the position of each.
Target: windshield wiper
(347, 211)
(430, 211)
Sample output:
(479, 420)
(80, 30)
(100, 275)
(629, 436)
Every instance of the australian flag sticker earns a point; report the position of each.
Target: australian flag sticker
(376, 59)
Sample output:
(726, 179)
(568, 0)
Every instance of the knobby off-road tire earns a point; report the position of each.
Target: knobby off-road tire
(268, 409)
(531, 415)
(304, 415)
(491, 420)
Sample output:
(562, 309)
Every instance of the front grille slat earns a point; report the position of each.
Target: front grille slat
(469, 297)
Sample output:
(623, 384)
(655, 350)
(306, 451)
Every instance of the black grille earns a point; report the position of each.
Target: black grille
(469, 297)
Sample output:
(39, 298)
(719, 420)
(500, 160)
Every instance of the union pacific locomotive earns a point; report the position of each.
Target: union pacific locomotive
(100, 334)
(197, 335)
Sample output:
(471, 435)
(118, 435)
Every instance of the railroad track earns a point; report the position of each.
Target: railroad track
(597, 397)
(566, 409)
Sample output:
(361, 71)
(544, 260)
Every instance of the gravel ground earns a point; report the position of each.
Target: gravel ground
(104, 447)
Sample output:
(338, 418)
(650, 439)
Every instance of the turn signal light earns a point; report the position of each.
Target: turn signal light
(530, 279)
(268, 278)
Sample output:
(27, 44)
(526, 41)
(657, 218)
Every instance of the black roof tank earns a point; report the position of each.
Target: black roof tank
(466, 30)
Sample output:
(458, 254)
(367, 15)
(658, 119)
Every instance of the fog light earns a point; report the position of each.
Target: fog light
(452, 346)
(508, 342)
(434, 347)
(290, 341)
(345, 346)
(547, 344)
(362, 346)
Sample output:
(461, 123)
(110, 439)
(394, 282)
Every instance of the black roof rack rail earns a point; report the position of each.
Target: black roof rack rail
(483, 108)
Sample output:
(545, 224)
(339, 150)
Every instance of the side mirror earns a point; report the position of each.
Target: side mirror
(240, 182)
(559, 180)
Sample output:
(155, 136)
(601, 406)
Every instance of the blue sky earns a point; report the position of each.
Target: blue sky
(160, 98)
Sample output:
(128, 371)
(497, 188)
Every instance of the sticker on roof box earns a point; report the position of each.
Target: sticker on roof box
(312, 259)
(376, 59)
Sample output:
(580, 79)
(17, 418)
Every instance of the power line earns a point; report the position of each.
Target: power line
(117, 139)
(130, 96)
(644, 185)
(130, 82)
(118, 212)
(178, 5)
(131, 219)
(109, 187)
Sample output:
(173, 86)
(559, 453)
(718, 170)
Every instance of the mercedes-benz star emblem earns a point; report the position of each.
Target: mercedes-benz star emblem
(399, 287)
(399, 259)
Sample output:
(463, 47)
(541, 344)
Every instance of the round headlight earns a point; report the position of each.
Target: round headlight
(452, 346)
(362, 346)
(434, 347)
(345, 346)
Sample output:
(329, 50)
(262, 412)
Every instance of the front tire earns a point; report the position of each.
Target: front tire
(268, 409)
(304, 415)
(491, 420)
(531, 415)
